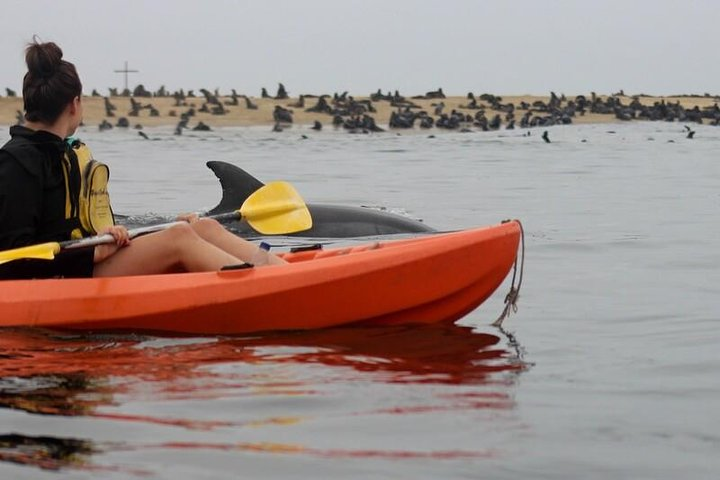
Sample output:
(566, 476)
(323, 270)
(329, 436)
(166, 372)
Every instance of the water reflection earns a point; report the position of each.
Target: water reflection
(45, 373)
(49, 453)
(409, 354)
(448, 354)
(53, 394)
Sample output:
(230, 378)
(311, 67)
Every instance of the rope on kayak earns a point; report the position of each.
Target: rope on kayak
(512, 297)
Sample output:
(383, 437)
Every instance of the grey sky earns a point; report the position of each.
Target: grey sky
(323, 46)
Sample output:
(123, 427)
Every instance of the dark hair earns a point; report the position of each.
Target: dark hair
(49, 84)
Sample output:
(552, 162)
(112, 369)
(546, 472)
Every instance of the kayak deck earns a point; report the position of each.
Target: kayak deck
(428, 279)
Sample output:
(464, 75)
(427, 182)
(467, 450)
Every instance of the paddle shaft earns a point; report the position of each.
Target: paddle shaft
(273, 209)
(136, 232)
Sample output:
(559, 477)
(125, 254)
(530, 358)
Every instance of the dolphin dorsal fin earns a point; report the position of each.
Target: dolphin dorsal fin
(237, 185)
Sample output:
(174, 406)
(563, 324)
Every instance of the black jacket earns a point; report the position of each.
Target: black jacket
(32, 197)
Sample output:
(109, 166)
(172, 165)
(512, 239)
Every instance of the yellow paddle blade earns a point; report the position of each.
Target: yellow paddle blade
(42, 251)
(276, 208)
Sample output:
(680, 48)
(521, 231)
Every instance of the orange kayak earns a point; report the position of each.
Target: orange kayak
(429, 279)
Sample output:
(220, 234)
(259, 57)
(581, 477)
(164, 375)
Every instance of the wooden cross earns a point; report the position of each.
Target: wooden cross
(126, 71)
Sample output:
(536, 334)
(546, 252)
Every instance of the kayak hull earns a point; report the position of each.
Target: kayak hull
(428, 279)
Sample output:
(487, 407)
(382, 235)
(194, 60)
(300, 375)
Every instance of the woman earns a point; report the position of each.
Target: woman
(33, 194)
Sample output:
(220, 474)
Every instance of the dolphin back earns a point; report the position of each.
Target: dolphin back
(329, 221)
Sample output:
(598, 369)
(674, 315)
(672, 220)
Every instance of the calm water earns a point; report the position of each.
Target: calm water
(610, 368)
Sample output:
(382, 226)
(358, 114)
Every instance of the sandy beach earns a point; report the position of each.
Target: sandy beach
(169, 113)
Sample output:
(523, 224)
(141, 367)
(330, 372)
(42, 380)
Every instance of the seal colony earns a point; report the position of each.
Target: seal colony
(203, 110)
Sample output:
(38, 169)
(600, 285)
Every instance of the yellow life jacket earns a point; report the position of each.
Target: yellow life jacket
(87, 201)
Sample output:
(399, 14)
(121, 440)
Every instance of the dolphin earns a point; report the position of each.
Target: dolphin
(329, 221)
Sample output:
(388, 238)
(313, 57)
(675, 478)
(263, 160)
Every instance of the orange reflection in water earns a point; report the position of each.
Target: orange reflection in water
(414, 354)
(59, 374)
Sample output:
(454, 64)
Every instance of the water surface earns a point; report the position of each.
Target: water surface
(608, 369)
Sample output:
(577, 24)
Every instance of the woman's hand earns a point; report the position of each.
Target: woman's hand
(122, 238)
(188, 217)
(119, 233)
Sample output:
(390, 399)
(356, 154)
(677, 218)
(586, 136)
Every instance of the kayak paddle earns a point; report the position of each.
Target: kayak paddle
(276, 208)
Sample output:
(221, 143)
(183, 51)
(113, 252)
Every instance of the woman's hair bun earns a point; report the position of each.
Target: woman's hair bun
(50, 83)
(43, 59)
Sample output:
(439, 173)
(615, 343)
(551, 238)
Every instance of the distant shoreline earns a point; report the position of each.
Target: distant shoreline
(474, 114)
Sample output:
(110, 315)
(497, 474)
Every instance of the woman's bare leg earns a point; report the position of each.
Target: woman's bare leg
(211, 231)
(178, 248)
